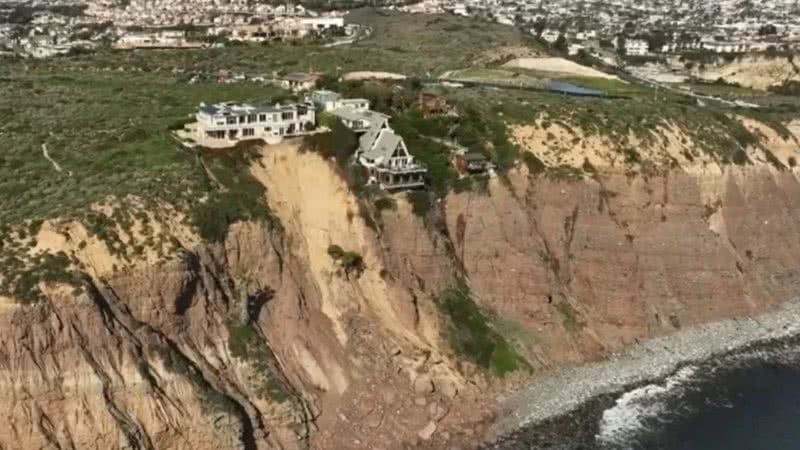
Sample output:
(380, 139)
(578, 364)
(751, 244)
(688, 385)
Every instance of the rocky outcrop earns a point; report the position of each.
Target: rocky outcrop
(266, 341)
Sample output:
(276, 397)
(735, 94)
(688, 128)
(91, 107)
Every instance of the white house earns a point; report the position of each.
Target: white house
(225, 124)
(324, 23)
(636, 47)
(299, 81)
(725, 47)
(385, 156)
(574, 49)
(328, 101)
(380, 150)
(550, 36)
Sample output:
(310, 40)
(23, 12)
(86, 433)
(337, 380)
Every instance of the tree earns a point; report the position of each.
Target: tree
(767, 30)
(561, 44)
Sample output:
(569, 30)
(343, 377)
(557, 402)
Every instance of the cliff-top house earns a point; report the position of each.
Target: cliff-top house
(380, 150)
(225, 124)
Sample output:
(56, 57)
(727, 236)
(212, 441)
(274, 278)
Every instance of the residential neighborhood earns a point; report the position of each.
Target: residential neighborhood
(638, 28)
(57, 28)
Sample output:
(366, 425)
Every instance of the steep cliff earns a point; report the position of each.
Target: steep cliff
(267, 340)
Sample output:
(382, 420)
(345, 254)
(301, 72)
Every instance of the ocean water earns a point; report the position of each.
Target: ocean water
(744, 401)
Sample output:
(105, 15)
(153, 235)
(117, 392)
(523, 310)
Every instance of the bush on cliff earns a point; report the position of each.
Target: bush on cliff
(351, 262)
(472, 335)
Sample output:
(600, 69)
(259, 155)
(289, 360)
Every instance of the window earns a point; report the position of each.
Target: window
(275, 117)
(267, 129)
(251, 118)
(231, 120)
(247, 132)
(262, 117)
(242, 119)
(289, 115)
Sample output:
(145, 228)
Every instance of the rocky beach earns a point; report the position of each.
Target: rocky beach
(575, 398)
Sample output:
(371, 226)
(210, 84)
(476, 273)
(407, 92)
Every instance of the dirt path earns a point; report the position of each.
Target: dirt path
(46, 154)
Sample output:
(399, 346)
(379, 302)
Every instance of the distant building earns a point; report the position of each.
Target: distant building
(157, 39)
(636, 47)
(320, 24)
(550, 36)
(430, 104)
(299, 81)
(725, 47)
(470, 162)
(225, 124)
(326, 100)
(574, 49)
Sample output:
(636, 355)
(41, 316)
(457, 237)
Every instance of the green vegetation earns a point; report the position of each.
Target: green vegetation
(403, 43)
(351, 262)
(716, 132)
(24, 277)
(473, 336)
(569, 316)
(245, 343)
(421, 203)
(237, 196)
(108, 132)
(385, 204)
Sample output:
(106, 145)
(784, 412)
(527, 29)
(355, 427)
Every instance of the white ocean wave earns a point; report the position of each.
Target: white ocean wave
(634, 409)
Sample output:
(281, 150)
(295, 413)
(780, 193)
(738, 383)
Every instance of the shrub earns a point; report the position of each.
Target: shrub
(335, 251)
(340, 143)
(535, 165)
(240, 198)
(351, 262)
(385, 203)
(420, 202)
(472, 336)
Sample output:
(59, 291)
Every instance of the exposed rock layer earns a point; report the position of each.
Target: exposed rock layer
(263, 341)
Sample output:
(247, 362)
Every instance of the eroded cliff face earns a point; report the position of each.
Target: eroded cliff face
(265, 341)
(586, 268)
(262, 341)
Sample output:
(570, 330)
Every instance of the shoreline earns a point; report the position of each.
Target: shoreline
(566, 390)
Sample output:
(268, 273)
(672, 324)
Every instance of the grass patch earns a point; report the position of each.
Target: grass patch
(473, 337)
(569, 317)
(239, 198)
(245, 343)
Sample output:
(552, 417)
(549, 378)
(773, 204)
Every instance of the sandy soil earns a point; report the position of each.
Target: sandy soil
(756, 73)
(558, 65)
(366, 75)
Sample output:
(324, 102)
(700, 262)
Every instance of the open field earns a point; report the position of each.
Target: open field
(107, 131)
(104, 118)
(400, 43)
(557, 67)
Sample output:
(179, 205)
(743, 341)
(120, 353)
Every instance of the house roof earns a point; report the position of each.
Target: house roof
(385, 145)
(348, 113)
(366, 141)
(232, 108)
(474, 156)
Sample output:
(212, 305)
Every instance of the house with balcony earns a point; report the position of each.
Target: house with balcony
(299, 81)
(225, 124)
(388, 162)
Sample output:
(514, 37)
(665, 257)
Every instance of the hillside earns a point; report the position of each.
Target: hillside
(263, 298)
